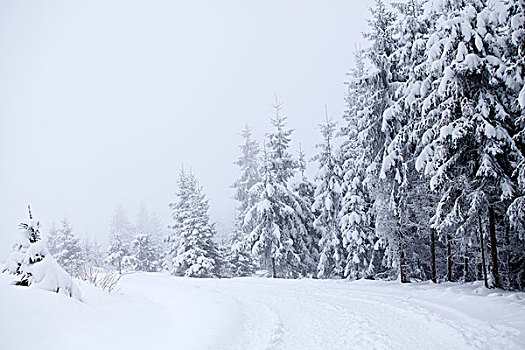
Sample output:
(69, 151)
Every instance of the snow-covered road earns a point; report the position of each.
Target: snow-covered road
(363, 315)
(157, 311)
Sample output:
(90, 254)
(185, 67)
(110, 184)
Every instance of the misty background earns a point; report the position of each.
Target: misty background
(102, 102)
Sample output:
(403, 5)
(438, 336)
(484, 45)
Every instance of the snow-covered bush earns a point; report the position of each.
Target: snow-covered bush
(31, 261)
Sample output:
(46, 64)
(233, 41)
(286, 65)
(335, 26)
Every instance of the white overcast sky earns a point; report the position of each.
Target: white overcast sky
(101, 102)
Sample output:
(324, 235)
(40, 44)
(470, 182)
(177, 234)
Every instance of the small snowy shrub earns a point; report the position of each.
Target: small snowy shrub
(35, 266)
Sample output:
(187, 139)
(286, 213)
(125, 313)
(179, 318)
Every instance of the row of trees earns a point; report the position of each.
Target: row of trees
(135, 247)
(430, 174)
(188, 250)
(131, 247)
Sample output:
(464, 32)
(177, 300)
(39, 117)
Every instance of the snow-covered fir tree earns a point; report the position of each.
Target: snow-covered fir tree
(356, 216)
(512, 20)
(327, 206)
(121, 226)
(144, 254)
(278, 237)
(158, 228)
(143, 224)
(369, 96)
(158, 235)
(297, 222)
(148, 246)
(118, 254)
(398, 173)
(121, 233)
(29, 233)
(267, 239)
(65, 248)
(248, 163)
(239, 256)
(93, 253)
(192, 251)
(52, 236)
(304, 189)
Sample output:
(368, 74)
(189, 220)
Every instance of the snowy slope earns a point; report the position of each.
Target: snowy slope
(157, 311)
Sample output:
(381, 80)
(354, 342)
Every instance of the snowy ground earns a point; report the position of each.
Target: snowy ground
(157, 311)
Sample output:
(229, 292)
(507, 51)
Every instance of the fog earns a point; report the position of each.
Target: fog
(103, 102)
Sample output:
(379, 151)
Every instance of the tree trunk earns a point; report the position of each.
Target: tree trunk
(449, 259)
(479, 272)
(482, 247)
(432, 256)
(507, 253)
(274, 273)
(465, 267)
(402, 274)
(493, 247)
(375, 261)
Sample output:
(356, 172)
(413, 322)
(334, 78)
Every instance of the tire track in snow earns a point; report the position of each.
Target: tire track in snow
(349, 319)
(301, 321)
(475, 333)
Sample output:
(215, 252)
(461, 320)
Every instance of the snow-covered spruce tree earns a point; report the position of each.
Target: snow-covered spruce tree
(29, 233)
(143, 223)
(467, 137)
(158, 229)
(304, 189)
(93, 253)
(278, 236)
(248, 163)
(512, 19)
(408, 201)
(148, 246)
(122, 226)
(158, 235)
(515, 237)
(239, 257)
(356, 216)
(66, 248)
(270, 238)
(52, 241)
(376, 133)
(512, 25)
(119, 254)
(31, 261)
(327, 206)
(191, 248)
(145, 254)
(282, 167)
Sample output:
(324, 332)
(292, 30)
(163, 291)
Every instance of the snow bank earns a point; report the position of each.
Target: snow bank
(146, 311)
